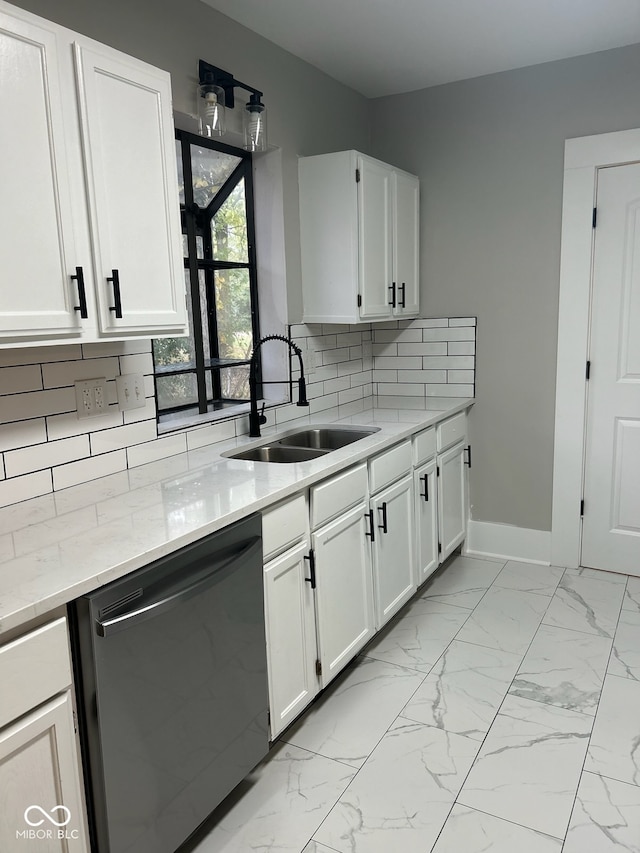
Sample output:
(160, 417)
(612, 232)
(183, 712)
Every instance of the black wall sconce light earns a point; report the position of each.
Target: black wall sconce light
(216, 93)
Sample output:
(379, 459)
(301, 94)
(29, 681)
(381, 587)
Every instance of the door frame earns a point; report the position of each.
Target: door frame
(584, 156)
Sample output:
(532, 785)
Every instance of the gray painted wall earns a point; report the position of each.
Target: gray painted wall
(489, 153)
(308, 112)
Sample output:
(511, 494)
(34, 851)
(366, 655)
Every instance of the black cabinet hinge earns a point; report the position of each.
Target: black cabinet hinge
(588, 371)
(582, 508)
(357, 176)
(359, 300)
(318, 668)
(594, 218)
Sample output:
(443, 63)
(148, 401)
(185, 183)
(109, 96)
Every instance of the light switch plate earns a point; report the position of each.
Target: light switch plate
(130, 389)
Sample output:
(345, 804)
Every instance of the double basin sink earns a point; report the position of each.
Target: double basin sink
(300, 445)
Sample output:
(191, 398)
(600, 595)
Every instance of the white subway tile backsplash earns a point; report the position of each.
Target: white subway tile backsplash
(140, 363)
(464, 333)
(460, 376)
(36, 404)
(407, 360)
(23, 488)
(423, 349)
(462, 321)
(39, 355)
(14, 380)
(89, 469)
(402, 390)
(63, 426)
(346, 368)
(422, 376)
(211, 434)
(448, 362)
(39, 456)
(461, 348)
(107, 348)
(449, 390)
(169, 445)
(61, 373)
(390, 363)
(22, 434)
(108, 440)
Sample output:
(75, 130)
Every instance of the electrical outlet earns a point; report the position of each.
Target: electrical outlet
(310, 359)
(91, 397)
(130, 389)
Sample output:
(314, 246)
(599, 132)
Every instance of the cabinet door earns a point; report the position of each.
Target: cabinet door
(452, 499)
(344, 594)
(291, 636)
(426, 502)
(130, 164)
(393, 549)
(38, 243)
(39, 781)
(374, 239)
(406, 240)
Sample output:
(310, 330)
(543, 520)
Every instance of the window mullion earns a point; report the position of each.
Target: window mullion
(194, 275)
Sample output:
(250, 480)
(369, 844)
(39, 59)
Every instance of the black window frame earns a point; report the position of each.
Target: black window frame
(196, 223)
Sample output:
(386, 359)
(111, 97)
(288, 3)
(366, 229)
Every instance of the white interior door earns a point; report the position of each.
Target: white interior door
(611, 524)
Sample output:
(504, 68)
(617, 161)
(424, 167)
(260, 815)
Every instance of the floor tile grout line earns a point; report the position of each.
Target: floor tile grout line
(595, 715)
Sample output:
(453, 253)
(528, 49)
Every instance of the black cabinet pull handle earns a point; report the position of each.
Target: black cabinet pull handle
(82, 296)
(383, 510)
(425, 494)
(467, 461)
(401, 301)
(371, 533)
(392, 288)
(312, 568)
(117, 306)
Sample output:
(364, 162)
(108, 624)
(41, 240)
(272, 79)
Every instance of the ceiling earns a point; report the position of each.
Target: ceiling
(383, 47)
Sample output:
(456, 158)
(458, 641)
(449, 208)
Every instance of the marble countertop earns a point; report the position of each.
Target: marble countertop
(60, 546)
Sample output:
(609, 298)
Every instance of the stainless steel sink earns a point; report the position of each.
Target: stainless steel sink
(277, 453)
(326, 438)
(300, 445)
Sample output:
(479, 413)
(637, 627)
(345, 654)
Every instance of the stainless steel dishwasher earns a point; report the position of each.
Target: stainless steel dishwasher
(171, 663)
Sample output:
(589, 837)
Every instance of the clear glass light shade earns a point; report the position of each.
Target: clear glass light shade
(211, 111)
(255, 126)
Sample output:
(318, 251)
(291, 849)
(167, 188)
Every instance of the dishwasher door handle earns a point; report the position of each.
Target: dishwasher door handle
(108, 627)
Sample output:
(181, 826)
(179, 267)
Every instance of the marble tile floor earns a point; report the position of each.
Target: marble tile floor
(499, 713)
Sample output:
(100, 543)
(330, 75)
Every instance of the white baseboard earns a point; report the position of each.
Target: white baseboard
(507, 542)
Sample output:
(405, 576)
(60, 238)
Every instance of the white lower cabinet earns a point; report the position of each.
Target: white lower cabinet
(452, 499)
(393, 551)
(40, 787)
(426, 512)
(344, 590)
(342, 563)
(291, 636)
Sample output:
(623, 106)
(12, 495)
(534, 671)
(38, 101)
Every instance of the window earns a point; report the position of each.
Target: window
(209, 370)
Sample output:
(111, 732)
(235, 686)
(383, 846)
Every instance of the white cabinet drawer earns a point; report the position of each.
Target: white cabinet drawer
(337, 494)
(424, 445)
(33, 668)
(283, 525)
(389, 466)
(452, 430)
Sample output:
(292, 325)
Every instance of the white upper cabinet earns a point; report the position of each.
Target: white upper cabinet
(89, 186)
(359, 238)
(130, 162)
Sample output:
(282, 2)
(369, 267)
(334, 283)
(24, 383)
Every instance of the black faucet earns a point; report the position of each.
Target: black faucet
(255, 418)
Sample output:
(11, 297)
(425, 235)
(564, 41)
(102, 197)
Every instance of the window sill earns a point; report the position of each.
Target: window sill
(183, 421)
